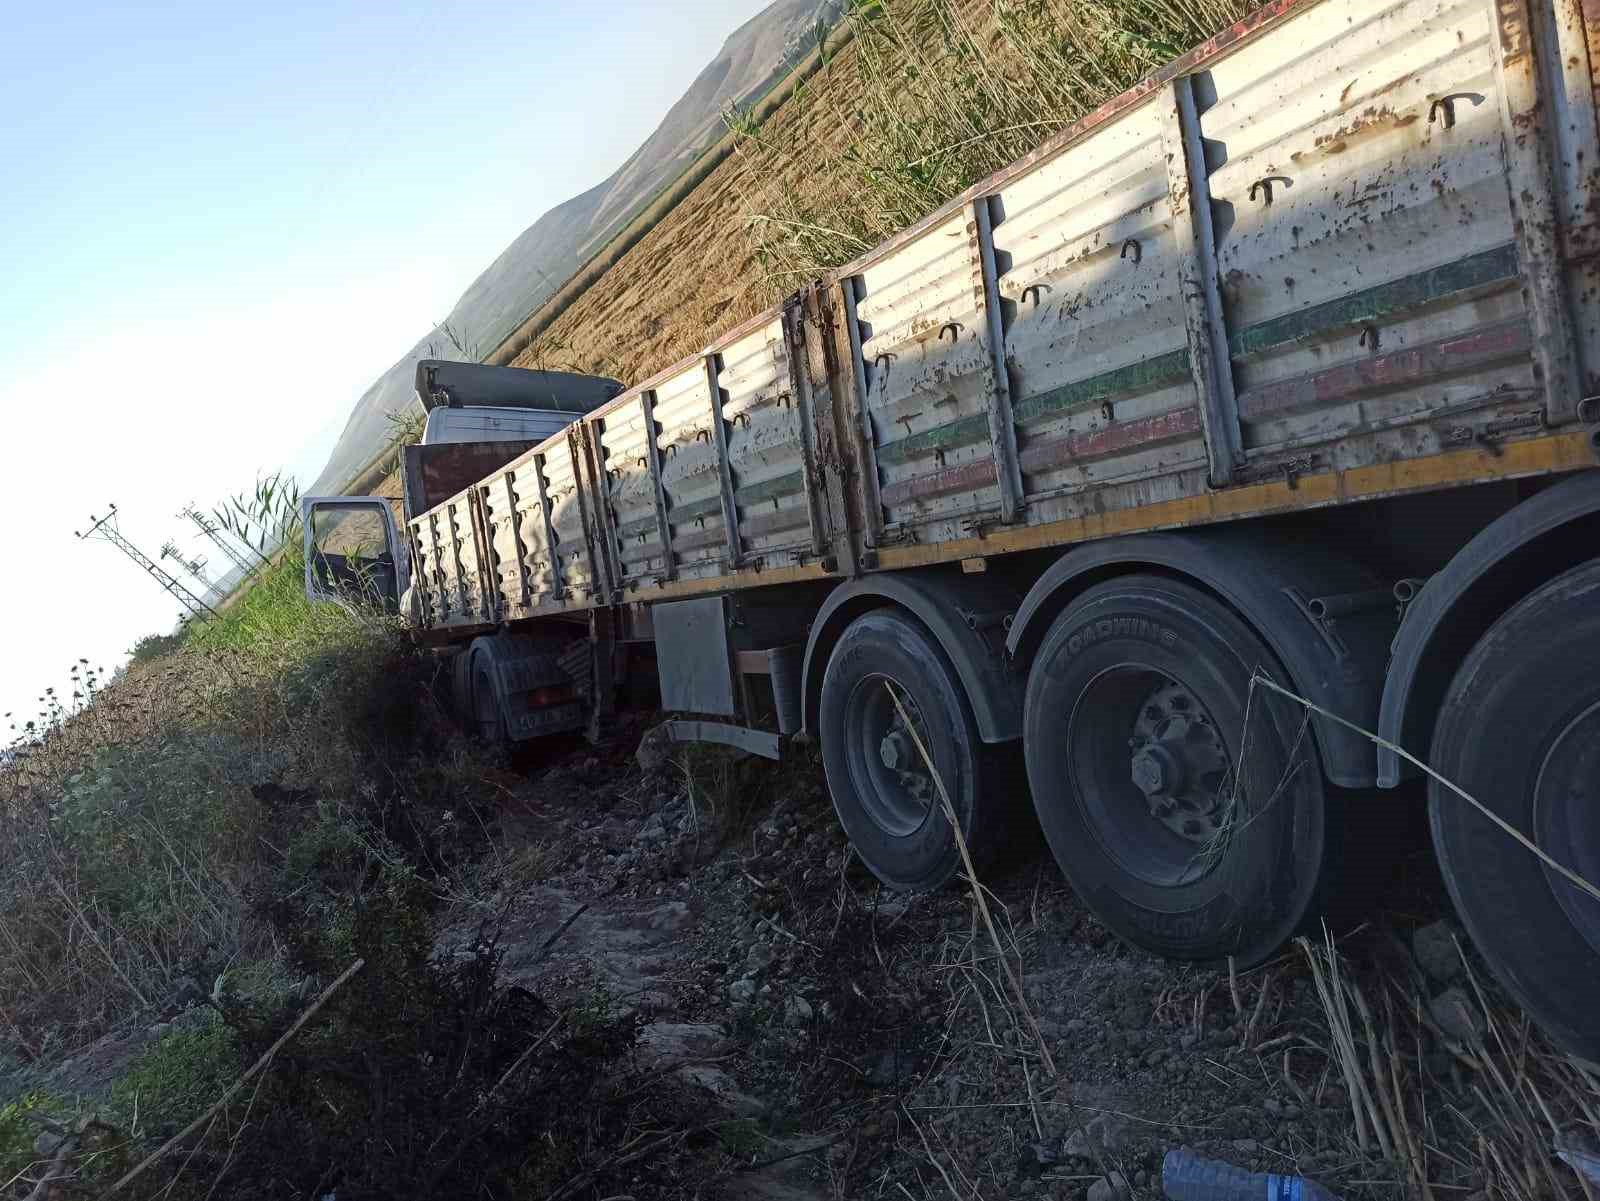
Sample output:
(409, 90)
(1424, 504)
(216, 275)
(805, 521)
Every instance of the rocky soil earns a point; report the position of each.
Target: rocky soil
(875, 1041)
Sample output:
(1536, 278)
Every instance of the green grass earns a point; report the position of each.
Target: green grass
(176, 1077)
(947, 92)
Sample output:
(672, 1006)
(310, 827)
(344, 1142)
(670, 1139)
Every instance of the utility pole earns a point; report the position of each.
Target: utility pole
(105, 529)
(214, 532)
(196, 567)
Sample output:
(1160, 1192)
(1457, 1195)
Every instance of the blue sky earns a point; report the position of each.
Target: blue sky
(221, 222)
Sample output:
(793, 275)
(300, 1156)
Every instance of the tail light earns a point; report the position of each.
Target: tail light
(557, 694)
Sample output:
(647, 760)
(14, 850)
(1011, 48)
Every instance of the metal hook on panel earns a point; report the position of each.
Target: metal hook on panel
(1447, 106)
(955, 331)
(1265, 185)
(886, 356)
(1037, 290)
(1132, 244)
(1369, 337)
(703, 435)
(643, 461)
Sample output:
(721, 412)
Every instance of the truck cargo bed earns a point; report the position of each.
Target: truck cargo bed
(1338, 252)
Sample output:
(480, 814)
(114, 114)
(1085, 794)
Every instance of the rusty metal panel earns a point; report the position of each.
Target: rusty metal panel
(1358, 181)
(1569, 53)
(928, 378)
(574, 556)
(1531, 176)
(460, 593)
(626, 440)
(690, 475)
(766, 455)
(518, 538)
(1096, 340)
(504, 565)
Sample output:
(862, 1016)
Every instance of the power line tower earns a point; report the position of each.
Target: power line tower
(105, 529)
(196, 568)
(213, 531)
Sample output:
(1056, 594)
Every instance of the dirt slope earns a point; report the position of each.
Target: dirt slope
(865, 1044)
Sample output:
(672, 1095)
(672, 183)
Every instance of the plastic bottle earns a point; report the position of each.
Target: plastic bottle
(1185, 1176)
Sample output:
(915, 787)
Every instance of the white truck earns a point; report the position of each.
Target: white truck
(1283, 365)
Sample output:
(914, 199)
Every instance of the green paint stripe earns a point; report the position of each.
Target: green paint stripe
(961, 432)
(1142, 376)
(782, 485)
(639, 525)
(691, 509)
(1492, 266)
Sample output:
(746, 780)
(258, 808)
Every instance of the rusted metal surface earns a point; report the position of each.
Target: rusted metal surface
(1095, 334)
(719, 444)
(1531, 185)
(926, 364)
(1365, 193)
(1001, 423)
(1441, 359)
(1568, 46)
(1194, 240)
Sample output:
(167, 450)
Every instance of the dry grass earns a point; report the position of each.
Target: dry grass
(1475, 1108)
(929, 97)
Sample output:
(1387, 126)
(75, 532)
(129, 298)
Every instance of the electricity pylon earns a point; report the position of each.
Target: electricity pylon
(214, 532)
(196, 567)
(105, 529)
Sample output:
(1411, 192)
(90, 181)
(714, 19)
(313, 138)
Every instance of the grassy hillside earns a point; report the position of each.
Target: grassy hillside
(556, 245)
(928, 97)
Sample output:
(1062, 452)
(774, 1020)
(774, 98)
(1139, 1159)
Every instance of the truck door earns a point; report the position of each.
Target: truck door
(353, 552)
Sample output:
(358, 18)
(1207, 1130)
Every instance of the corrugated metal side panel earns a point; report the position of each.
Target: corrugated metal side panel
(764, 448)
(566, 517)
(1101, 387)
(505, 563)
(929, 376)
(1365, 240)
(689, 472)
(427, 578)
(631, 491)
(455, 589)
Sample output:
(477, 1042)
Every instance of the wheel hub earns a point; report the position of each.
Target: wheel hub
(895, 784)
(895, 750)
(1178, 763)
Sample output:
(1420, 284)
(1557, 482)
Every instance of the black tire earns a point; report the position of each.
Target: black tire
(893, 816)
(1519, 730)
(1146, 677)
(484, 718)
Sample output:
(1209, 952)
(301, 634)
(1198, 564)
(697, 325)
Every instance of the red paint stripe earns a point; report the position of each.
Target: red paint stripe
(1111, 439)
(939, 483)
(1382, 372)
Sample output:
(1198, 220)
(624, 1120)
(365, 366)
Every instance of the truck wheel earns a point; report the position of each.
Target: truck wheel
(882, 790)
(1520, 731)
(485, 717)
(1134, 718)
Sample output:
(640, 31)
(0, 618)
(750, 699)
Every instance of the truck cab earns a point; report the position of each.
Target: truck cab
(479, 417)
